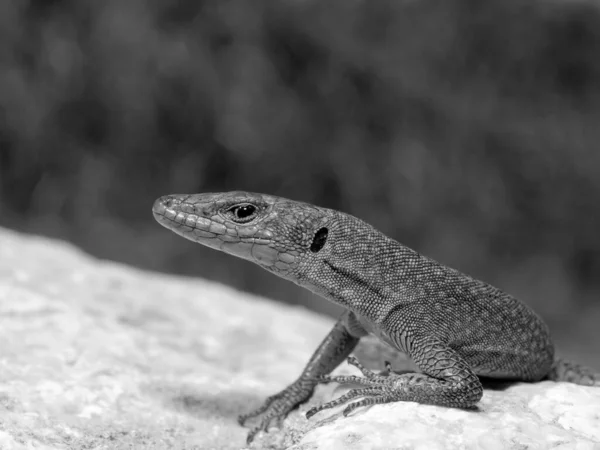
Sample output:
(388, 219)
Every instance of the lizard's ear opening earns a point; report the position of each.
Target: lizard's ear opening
(319, 240)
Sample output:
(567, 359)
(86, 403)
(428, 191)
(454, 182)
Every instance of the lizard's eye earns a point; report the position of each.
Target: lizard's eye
(242, 213)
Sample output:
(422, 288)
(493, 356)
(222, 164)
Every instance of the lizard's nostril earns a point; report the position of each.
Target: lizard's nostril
(161, 204)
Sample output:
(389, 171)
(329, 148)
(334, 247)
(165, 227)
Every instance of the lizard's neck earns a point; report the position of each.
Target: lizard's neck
(352, 270)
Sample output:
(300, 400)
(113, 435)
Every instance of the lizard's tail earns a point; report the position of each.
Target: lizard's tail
(573, 373)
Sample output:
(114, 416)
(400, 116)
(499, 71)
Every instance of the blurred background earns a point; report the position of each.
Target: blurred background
(468, 130)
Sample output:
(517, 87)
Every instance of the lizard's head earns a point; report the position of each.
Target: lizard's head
(276, 233)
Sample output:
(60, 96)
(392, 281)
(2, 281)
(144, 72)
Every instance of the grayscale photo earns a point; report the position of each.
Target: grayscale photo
(299, 224)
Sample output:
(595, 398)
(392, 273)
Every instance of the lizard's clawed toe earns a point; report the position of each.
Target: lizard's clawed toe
(311, 412)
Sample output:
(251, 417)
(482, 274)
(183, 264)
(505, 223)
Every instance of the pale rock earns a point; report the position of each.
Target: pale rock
(98, 355)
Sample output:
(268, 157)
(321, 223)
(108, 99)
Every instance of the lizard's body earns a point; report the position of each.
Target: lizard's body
(454, 327)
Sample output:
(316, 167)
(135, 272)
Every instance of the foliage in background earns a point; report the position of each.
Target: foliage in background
(466, 129)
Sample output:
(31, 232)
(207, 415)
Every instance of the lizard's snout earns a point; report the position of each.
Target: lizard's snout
(162, 204)
(159, 206)
(166, 201)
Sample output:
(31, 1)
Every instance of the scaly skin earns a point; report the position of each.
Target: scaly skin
(454, 327)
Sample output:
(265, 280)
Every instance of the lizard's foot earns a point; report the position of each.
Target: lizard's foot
(378, 388)
(278, 406)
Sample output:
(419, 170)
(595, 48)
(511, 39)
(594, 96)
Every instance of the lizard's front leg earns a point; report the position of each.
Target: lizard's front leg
(447, 380)
(338, 344)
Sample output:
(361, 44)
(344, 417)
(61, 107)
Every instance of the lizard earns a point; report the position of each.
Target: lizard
(454, 327)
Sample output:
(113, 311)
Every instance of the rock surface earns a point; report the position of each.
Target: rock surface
(96, 355)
